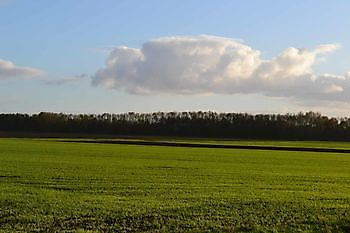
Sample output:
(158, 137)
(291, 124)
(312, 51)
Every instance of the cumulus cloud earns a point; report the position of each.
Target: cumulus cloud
(208, 64)
(9, 70)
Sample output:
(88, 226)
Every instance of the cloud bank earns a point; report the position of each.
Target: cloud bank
(216, 65)
(9, 70)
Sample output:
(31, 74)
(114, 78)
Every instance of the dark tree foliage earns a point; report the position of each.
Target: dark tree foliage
(302, 126)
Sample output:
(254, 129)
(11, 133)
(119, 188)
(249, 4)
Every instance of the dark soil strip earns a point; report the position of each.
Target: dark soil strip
(219, 146)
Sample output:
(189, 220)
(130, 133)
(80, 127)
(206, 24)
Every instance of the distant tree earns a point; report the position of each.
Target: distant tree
(301, 126)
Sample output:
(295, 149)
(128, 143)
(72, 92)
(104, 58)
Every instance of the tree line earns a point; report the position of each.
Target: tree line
(301, 126)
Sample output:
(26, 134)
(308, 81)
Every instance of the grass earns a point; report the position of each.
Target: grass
(308, 144)
(48, 186)
(281, 143)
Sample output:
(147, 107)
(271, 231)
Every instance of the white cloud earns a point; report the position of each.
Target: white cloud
(209, 64)
(65, 80)
(9, 70)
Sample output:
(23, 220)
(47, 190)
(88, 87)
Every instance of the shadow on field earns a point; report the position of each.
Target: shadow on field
(214, 146)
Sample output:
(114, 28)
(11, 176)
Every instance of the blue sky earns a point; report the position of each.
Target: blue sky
(70, 41)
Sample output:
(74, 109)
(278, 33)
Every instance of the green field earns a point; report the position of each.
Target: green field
(306, 144)
(50, 186)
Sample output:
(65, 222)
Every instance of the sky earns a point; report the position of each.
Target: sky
(250, 56)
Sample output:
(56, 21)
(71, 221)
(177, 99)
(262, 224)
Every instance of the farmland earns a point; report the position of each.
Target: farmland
(50, 185)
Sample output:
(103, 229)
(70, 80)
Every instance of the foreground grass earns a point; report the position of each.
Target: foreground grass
(49, 186)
